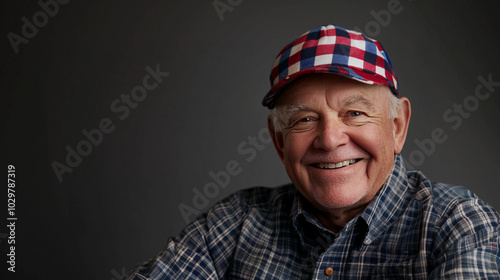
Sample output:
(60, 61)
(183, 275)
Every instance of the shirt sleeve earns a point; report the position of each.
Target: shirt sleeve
(203, 249)
(186, 257)
(467, 243)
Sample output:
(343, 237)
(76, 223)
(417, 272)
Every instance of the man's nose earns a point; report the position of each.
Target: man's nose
(331, 134)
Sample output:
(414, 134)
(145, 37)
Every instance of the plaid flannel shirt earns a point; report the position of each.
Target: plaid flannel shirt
(412, 229)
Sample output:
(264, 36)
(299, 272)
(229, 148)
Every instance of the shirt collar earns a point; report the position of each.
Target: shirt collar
(304, 221)
(389, 202)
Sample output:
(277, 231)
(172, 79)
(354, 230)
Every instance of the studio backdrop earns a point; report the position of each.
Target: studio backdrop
(124, 120)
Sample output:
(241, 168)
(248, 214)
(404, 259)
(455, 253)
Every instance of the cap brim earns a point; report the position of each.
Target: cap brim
(352, 73)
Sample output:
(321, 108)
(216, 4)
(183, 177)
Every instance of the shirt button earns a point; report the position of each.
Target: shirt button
(329, 271)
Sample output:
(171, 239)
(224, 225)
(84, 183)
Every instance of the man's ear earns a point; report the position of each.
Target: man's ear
(401, 124)
(276, 136)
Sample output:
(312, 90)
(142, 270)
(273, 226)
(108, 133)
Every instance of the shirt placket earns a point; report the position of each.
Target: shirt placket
(332, 262)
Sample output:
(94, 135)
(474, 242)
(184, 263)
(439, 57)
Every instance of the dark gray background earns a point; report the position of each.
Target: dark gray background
(119, 206)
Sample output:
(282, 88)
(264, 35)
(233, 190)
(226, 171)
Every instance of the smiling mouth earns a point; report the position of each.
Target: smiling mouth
(324, 165)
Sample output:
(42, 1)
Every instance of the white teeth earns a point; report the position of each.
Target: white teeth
(335, 165)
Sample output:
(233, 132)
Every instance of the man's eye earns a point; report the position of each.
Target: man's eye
(355, 114)
(306, 119)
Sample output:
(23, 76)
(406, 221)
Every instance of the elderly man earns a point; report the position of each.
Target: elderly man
(353, 211)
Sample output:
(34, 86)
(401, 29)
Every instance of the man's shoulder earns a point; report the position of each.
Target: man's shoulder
(261, 198)
(227, 216)
(440, 194)
(455, 205)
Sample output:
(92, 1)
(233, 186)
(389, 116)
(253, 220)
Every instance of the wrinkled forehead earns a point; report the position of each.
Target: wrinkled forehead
(334, 90)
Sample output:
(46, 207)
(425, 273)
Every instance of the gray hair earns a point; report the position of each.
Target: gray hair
(279, 116)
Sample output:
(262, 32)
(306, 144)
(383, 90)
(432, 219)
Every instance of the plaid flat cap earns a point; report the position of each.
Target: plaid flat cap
(331, 49)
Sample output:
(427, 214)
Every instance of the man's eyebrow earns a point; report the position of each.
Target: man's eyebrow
(288, 111)
(291, 110)
(359, 99)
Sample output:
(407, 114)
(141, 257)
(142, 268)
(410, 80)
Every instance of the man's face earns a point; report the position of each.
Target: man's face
(338, 143)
